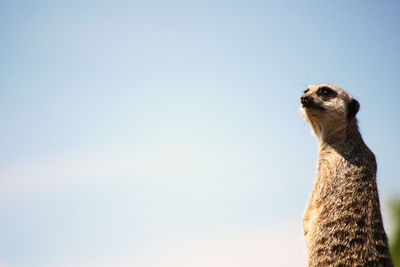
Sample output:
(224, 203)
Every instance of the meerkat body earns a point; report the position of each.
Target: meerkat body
(342, 222)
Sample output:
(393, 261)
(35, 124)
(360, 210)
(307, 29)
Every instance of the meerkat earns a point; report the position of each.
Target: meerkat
(342, 222)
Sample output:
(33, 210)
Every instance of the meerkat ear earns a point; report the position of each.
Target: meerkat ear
(352, 108)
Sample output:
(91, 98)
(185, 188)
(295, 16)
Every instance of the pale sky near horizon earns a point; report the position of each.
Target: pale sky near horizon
(167, 133)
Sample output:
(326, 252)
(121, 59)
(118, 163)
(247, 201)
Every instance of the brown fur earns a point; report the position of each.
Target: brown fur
(342, 222)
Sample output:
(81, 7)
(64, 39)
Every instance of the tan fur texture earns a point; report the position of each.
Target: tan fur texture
(342, 222)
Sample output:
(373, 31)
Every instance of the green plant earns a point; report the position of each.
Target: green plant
(395, 240)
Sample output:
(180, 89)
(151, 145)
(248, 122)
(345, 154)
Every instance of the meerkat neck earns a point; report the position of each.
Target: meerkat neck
(342, 138)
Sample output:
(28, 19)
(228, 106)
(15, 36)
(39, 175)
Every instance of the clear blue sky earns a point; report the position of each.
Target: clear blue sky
(160, 127)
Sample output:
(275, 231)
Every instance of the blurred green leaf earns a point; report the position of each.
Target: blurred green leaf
(395, 239)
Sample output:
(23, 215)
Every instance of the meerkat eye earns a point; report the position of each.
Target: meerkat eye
(326, 92)
(305, 91)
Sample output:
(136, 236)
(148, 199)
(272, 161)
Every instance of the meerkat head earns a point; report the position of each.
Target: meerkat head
(329, 110)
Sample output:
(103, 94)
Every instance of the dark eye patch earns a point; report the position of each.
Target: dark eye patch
(326, 93)
(305, 91)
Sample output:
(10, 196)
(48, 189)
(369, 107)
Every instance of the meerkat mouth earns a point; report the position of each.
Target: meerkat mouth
(312, 105)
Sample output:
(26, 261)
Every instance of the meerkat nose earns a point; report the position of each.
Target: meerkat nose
(306, 100)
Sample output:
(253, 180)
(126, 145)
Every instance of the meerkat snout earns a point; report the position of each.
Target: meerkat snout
(306, 100)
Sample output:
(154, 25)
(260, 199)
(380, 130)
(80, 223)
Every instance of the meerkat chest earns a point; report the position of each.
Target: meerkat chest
(328, 182)
(329, 175)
